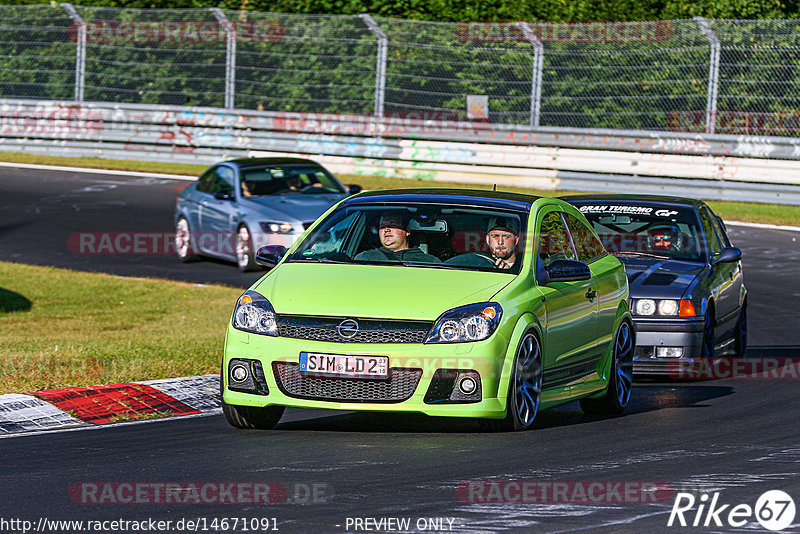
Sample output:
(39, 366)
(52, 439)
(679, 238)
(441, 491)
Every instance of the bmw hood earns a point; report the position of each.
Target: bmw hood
(366, 291)
(657, 278)
(288, 208)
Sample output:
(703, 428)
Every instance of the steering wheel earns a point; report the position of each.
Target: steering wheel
(489, 260)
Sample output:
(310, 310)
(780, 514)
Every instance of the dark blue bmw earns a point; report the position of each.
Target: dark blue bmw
(688, 297)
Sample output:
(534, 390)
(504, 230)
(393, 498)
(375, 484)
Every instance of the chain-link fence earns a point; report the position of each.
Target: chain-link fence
(714, 76)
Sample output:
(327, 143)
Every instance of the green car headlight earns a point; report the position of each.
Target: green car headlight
(254, 314)
(474, 322)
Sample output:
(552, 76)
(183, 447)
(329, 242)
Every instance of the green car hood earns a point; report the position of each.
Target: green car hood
(376, 290)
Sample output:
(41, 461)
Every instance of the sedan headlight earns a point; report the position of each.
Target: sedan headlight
(645, 307)
(666, 307)
(254, 314)
(474, 322)
(277, 227)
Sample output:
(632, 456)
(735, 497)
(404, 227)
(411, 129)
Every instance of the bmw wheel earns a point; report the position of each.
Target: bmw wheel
(184, 245)
(741, 333)
(708, 333)
(525, 387)
(620, 382)
(245, 257)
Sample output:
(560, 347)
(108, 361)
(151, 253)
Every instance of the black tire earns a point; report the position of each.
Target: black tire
(740, 346)
(245, 255)
(620, 381)
(250, 417)
(524, 388)
(184, 244)
(708, 334)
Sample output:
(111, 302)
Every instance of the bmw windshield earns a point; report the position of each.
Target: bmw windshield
(429, 235)
(643, 229)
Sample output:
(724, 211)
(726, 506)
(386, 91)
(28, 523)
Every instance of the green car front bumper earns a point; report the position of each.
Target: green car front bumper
(416, 365)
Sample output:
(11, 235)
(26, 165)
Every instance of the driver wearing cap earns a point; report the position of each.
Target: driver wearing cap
(394, 235)
(502, 236)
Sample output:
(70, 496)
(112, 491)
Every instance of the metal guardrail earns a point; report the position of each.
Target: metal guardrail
(707, 166)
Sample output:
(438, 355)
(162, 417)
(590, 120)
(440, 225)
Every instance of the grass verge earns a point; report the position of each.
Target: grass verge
(64, 328)
(732, 211)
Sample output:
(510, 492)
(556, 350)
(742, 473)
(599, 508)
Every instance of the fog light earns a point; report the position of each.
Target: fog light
(239, 373)
(669, 352)
(467, 385)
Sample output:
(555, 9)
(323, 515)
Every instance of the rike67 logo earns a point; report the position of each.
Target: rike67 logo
(774, 510)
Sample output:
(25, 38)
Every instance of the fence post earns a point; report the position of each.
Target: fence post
(380, 67)
(538, 68)
(230, 57)
(713, 73)
(80, 58)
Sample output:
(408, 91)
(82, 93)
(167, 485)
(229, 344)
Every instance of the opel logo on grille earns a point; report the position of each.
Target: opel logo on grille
(347, 328)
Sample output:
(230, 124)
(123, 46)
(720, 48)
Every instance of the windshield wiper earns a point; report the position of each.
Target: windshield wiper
(314, 260)
(432, 265)
(644, 254)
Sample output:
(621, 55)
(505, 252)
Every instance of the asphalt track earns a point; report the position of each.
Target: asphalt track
(735, 436)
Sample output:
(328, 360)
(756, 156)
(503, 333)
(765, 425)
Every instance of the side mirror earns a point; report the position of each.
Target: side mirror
(566, 271)
(270, 255)
(223, 195)
(727, 255)
(353, 189)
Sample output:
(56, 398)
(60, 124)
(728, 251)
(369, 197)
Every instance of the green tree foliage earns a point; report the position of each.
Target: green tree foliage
(487, 10)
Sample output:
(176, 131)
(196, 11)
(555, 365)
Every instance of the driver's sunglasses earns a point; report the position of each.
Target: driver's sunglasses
(659, 238)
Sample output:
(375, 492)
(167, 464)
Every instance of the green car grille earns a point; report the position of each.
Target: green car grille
(400, 385)
(369, 330)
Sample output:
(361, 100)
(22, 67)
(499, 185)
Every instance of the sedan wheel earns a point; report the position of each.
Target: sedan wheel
(620, 382)
(525, 389)
(708, 334)
(741, 333)
(244, 250)
(184, 246)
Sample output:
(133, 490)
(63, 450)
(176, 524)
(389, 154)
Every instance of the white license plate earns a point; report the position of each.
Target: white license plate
(313, 363)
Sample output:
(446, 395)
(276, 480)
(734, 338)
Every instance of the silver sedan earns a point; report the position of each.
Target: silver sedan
(237, 206)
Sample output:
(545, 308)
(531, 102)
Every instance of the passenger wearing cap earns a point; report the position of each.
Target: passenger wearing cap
(393, 233)
(502, 236)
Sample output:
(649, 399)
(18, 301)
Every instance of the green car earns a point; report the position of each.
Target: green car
(453, 303)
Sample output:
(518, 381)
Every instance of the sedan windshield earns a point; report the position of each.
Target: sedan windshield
(287, 180)
(644, 229)
(418, 235)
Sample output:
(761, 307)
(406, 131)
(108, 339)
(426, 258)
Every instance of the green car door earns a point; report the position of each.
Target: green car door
(570, 344)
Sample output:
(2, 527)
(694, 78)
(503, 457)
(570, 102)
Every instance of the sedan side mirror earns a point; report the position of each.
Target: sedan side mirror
(270, 255)
(353, 189)
(727, 255)
(223, 195)
(566, 271)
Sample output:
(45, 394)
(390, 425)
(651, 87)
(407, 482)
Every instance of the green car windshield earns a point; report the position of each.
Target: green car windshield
(439, 236)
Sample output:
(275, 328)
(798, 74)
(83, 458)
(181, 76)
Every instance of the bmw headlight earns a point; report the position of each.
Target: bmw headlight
(474, 322)
(665, 307)
(254, 314)
(668, 307)
(277, 227)
(645, 307)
